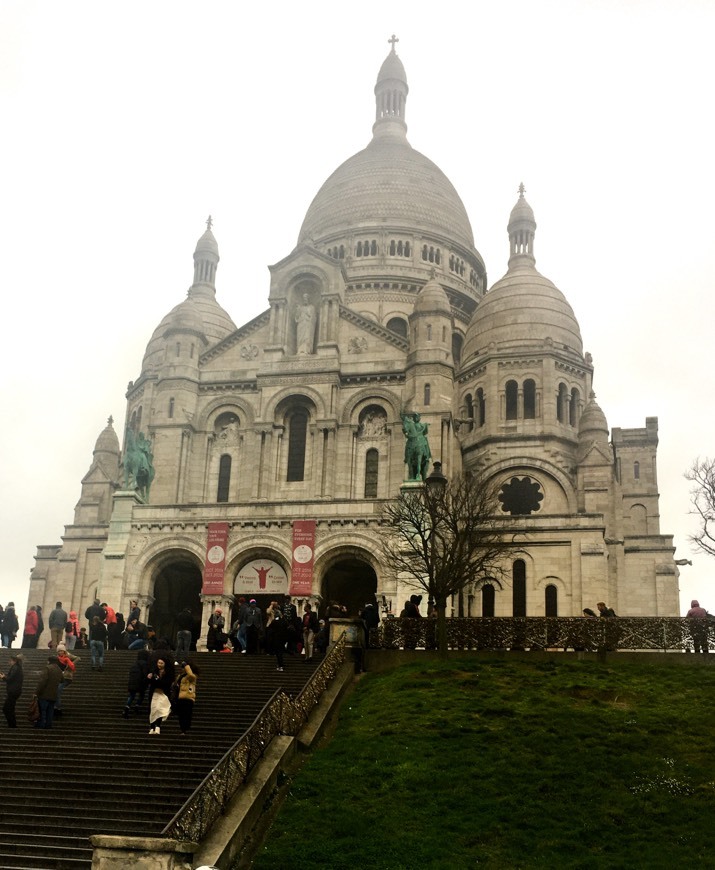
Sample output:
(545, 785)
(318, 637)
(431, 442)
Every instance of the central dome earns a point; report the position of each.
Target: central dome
(388, 183)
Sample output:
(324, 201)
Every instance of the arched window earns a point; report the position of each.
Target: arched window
(573, 407)
(511, 399)
(393, 248)
(636, 470)
(297, 433)
(171, 407)
(427, 394)
(487, 600)
(373, 248)
(562, 401)
(178, 348)
(481, 408)
(529, 399)
(518, 575)
(469, 404)
(371, 466)
(358, 250)
(457, 342)
(224, 478)
(398, 325)
(429, 332)
(551, 600)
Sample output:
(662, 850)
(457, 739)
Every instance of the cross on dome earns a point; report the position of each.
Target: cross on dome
(522, 190)
(209, 222)
(392, 40)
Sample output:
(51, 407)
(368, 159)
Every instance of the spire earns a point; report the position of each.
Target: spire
(391, 95)
(205, 262)
(521, 229)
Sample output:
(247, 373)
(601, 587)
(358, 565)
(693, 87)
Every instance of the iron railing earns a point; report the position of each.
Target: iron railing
(549, 633)
(281, 715)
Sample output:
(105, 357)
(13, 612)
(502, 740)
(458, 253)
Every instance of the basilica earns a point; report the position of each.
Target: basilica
(256, 459)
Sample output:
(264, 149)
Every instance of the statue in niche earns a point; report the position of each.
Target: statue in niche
(417, 450)
(305, 319)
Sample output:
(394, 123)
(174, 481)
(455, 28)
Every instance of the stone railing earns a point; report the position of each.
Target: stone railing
(553, 633)
(281, 715)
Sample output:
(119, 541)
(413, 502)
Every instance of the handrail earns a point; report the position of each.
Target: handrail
(280, 715)
(666, 633)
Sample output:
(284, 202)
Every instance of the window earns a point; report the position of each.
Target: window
(469, 405)
(521, 496)
(481, 408)
(518, 575)
(224, 478)
(297, 433)
(398, 325)
(488, 600)
(562, 403)
(511, 399)
(529, 399)
(457, 342)
(636, 470)
(427, 394)
(171, 407)
(429, 332)
(573, 407)
(371, 466)
(551, 600)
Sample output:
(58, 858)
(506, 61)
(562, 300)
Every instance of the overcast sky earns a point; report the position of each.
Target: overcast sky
(126, 124)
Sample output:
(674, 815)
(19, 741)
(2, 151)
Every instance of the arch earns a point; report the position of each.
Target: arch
(349, 580)
(518, 579)
(277, 406)
(639, 519)
(206, 421)
(545, 473)
(370, 395)
(398, 325)
(481, 407)
(176, 585)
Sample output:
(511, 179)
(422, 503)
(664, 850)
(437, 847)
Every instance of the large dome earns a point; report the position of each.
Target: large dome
(388, 183)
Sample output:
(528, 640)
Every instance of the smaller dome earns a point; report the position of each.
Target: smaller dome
(392, 68)
(522, 211)
(207, 244)
(107, 441)
(593, 425)
(432, 298)
(184, 317)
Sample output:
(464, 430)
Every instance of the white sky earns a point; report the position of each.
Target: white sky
(126, 124)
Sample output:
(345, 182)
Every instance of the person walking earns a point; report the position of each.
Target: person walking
(72, 630)
(66, 662)
(57, 623)
(13, 680)
(10, 625)
(277, 637)
(97, 642)
(215, 639)
(186, 695)
(160, 681)
(184, 631)
(137, 683)
(253, 620)
(95, 609)
(46, 692)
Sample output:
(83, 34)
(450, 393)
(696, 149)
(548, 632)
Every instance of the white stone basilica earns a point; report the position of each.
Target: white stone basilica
(381, 308)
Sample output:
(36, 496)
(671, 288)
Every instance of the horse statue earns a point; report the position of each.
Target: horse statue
(417, 450)
(138, 464)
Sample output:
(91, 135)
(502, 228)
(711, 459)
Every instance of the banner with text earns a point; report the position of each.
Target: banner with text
(301, 576)
(215, 559)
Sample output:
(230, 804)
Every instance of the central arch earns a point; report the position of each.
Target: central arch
(350, 581)
(177, 585)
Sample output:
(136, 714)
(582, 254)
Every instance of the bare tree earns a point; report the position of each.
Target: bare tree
(702, 496)
(446, 538)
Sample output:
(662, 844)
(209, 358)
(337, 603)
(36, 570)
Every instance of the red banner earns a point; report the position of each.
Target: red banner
(215, 559)
(301, 576)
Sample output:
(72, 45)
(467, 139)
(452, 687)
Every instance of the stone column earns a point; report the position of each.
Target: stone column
(209, 604)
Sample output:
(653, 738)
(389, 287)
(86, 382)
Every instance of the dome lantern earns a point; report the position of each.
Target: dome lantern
(521, 229)
(391, 91)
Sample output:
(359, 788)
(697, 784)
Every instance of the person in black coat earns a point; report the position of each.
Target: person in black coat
(10, 625)
(137, 683)
(277, 636)
(13, 683)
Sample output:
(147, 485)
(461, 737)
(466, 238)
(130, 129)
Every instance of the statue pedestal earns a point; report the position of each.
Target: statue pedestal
(111, 568)
(412, 486)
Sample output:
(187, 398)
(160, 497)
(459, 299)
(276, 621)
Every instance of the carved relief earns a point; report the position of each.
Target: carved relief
(249, 351)
(357, 344)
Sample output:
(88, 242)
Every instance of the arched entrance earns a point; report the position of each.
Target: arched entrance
(176, 586)
(351, 582)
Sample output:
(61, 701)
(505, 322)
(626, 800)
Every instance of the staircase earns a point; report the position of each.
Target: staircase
(95, 772)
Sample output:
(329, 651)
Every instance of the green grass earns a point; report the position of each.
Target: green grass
(509, 764)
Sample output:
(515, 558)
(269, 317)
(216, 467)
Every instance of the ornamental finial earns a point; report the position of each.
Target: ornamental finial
(392, 40)
(209, 222)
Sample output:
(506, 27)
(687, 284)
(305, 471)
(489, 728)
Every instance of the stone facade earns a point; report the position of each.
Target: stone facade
(381, 308)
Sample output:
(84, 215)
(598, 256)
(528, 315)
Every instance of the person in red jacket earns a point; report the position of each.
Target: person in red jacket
(30, 631)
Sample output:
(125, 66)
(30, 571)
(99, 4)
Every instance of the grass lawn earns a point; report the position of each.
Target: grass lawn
(509, 764)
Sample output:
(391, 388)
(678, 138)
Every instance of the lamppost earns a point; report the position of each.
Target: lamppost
(436, 483)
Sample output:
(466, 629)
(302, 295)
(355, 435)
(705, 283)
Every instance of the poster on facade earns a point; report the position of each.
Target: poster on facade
(261, 577)
(301, 576)
(215, 559)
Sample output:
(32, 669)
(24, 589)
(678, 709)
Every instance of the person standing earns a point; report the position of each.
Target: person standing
(57, 623)
(97, 642)
(13, 684)
(186, 689)
(72, 630)
(292, 621)
(215, 639)
(276, 637)
(95, 609)
(46, 692)
(10, 625)
(254, 626)
(310, 627)
(30, 632)
(137, 683)
(184, 631)
(700, 627)
(68, 667)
